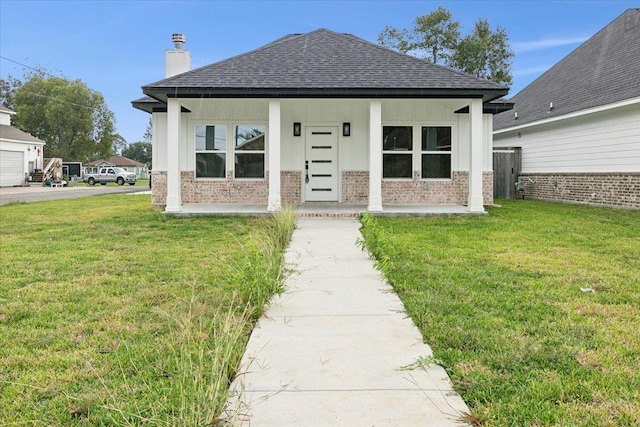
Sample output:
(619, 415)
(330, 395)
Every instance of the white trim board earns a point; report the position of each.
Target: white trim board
(580, 113)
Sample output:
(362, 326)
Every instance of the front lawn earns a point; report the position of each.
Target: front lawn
(534, 310)
(112, 313)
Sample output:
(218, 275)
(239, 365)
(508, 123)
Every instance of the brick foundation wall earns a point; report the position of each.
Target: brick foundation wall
(355, 187)
(291, 187)
(487, 188)
(610, 189)
(159, 188)
(418, 192)
(230, 190)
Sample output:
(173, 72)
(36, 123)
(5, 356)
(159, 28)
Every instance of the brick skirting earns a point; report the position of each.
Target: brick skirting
(355, 189)
(418, 192)
(227, 191)
(291, 187)
(609, 189)
(159, 188)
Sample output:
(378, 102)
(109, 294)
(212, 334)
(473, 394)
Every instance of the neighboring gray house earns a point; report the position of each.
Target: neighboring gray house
(320, 117)
(21, 153)
(579, 123)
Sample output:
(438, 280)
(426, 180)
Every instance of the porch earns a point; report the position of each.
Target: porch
(328, 210)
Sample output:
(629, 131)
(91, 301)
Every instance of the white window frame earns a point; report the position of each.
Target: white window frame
(196, 151)
(398, 152)
(450, 152)
(232, 144)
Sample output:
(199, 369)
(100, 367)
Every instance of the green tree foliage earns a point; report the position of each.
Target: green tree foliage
(485, 54)
(140, 151)
(395, 39)
(119, 144)
(72, 119)
(436, 34)
(7, 87)
(436, 37)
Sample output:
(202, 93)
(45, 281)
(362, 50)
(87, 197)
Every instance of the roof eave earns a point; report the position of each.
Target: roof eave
(163, 93)
(489, 108)
(153, 106)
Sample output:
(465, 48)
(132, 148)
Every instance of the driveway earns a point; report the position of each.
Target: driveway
(38, 194)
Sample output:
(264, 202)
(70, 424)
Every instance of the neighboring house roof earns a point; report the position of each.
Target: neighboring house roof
(603, 70)
(323, 63)
(14, 134)
(119, 161)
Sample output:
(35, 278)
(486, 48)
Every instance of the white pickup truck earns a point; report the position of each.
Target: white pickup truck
(111, 174)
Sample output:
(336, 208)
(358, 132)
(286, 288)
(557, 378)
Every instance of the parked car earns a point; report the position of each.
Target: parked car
(111, 174)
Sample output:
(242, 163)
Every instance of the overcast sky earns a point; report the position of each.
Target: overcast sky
(115, 47)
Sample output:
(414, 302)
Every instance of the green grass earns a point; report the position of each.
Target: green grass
(499, 299)
(112, 313)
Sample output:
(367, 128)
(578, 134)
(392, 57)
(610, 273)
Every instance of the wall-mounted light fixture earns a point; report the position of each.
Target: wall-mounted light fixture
(515, 115)
(297, 129)
(346, 129)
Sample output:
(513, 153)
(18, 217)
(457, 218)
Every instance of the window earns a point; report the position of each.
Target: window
(249, 151)
(397, 147)
(211, 145)
(436, 152)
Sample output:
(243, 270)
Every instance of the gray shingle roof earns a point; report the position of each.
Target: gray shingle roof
(117, 161)
(15, 134)
(603, 70)
(324, 63)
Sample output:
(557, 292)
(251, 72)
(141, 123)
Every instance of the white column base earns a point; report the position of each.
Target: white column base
(173, 204)
(375, 204)
(476, 204)
(274, 204)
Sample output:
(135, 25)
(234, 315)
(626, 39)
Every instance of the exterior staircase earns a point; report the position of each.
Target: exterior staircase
(53, 171)
(37, 176)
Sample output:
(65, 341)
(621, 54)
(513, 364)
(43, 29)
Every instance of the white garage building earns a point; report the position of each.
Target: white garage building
(20, 152)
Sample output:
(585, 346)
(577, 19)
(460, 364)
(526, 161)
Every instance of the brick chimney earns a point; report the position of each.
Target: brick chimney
(177, 60)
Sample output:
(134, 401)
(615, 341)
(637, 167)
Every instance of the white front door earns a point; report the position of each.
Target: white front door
(321, 164)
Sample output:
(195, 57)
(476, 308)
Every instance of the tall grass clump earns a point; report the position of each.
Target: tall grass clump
(377, 241)
(261, 268)
(201, 355)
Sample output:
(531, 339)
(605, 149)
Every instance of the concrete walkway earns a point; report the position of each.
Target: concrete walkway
(336, 348)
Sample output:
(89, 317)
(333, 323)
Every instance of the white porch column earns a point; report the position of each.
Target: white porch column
(375, 156)
(475, 201)
(174, 202)
(274, 203)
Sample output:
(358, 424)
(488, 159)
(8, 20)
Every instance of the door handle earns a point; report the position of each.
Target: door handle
(306, 171)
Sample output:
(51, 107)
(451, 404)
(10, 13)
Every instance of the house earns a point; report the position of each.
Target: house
(21, 154)
(125, 163)
(578, 125)
(320, 117)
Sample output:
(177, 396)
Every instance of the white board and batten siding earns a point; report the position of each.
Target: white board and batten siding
(606, 141)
